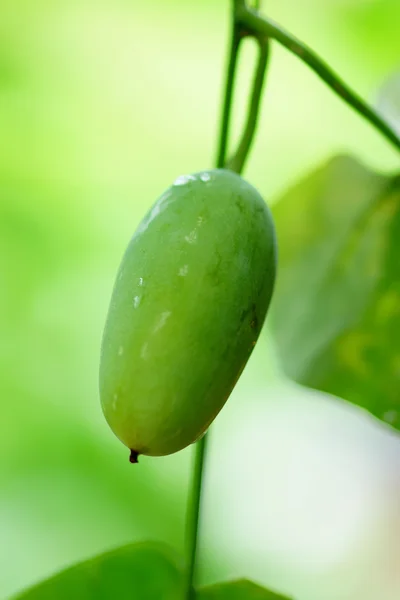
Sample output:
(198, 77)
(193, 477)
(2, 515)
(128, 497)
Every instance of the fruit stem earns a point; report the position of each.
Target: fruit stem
(258, 25)
(238, 34)
(238, 160)
(229, 85)
(193, 514)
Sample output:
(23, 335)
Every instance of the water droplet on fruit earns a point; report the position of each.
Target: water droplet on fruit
(205, 177)
(184, 179)
(183, 271)
(162, 320)
(158, 207)
(192, 237)
(144, 353)
(141, 282)
(136, 301)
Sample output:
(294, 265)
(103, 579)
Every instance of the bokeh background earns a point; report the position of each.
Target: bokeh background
(102, 105)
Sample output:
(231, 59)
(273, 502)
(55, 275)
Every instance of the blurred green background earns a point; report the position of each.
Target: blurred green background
(102, 105)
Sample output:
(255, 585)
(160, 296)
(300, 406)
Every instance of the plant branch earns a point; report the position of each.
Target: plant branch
(262, 26)
(238, 160)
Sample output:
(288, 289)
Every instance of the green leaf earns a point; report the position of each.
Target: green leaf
(142, 571)
(237, 590)
(336, 308)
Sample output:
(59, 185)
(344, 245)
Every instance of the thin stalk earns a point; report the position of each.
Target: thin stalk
(238, 160)
(193, 517)
(262, 26)
(194, 504)
(227, 103)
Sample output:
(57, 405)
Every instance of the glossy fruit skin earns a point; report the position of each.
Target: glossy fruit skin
(187, 307)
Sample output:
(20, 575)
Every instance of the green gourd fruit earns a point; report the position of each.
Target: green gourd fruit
(187, 307)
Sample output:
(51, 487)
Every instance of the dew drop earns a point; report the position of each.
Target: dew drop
(136, 301)
(144, 352)
(184, 179)
(205, 177)
(192, 237)
(141, 281)
(162, 320)
(183, 271)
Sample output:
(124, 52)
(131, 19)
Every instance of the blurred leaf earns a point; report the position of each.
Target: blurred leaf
(388, 101)
(141, 571)
(237, 590)
(336, 310)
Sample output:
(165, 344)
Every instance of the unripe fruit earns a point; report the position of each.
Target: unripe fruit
(188, 305)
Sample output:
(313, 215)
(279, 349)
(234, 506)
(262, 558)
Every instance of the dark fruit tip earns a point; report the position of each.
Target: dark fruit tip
(133, 458)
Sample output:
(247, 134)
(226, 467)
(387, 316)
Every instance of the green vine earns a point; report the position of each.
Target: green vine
(247, 22)
(236, 39)
(238, 160)
(192, 525)
(259, 25)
